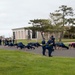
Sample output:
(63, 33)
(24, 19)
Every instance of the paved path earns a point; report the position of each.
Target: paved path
(64, 52)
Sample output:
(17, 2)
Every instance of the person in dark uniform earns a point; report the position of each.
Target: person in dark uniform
(60, 44)
(20, 45)
(43, 46)
(53, 39)
(50, 47)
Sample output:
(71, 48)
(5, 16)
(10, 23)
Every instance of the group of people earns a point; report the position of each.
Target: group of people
(14, 43)
(6, 41)
(30, 45)
(48, 45)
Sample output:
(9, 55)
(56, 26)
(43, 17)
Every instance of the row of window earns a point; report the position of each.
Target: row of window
(21, 34)
(18, 35)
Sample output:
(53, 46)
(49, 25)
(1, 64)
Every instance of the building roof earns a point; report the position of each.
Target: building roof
(20, 28)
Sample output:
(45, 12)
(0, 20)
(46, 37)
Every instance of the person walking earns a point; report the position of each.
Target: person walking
(43, 46)
(53, 39)
(50, 47)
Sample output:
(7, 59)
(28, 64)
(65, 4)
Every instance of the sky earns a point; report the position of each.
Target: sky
(17, 13)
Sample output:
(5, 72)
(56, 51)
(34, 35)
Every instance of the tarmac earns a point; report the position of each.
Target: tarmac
(58, 52)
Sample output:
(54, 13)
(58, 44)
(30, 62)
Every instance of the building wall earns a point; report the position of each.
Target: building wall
(20, 33)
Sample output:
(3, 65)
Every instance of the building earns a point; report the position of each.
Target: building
(24, 33)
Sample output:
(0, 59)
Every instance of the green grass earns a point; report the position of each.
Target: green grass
(22, 63)
(26, 41)
(68, 40)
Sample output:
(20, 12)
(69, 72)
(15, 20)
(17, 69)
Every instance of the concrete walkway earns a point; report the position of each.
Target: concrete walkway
(64, 52)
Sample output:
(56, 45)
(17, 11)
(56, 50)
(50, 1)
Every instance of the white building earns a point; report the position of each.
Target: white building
(24, 33)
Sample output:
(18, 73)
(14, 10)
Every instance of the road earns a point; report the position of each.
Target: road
(59, 52)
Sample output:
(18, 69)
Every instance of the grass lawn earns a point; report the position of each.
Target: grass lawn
(63, 40)
(68, 40)
(25, 41)
(22, 63)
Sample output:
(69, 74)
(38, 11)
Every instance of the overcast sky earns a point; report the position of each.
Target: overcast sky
(17, 13)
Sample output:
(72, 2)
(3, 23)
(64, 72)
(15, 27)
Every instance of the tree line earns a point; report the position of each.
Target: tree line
(61, 20)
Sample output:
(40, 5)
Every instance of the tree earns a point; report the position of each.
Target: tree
(71, 22)
(41, 25)
(66, 11)
(59, 17)
(57, 22)
(71, 32)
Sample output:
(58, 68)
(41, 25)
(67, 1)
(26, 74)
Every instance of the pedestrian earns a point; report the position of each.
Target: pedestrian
(53, 39)
(50, 47)
(43, 46)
